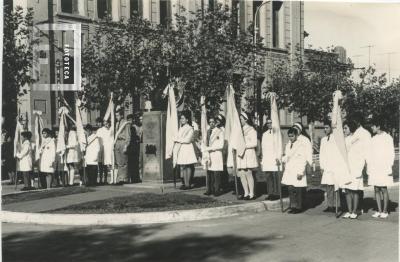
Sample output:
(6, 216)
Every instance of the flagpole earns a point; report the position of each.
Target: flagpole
(280, 186)
(336, 203)
(235, 173)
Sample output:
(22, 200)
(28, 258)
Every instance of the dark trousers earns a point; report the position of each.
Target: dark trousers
(330, 196)
(273, 183)
(296, 195)
(45, 179)
(27, 178)
(213, 181)
(91, 175)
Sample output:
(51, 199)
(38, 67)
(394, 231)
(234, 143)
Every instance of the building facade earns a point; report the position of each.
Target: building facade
(280, 25)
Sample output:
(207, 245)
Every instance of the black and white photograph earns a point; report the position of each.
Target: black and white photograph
(200, 130)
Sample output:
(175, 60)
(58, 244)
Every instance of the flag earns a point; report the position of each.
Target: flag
(38, 133)
(61, 147)
(79, 126)
(205, 154)
(233, 128)
(172, 122)
(110, 114)
(276, 127)
(17, 137)
(340, 154)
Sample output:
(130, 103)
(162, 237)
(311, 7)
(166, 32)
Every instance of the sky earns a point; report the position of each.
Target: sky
(354, 25)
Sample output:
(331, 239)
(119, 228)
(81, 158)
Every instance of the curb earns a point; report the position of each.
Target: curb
(140, 218)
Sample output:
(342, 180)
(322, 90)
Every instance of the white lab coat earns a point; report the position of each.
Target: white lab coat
(356, 154)
(47, 156)
(327, 162)
(269, 153)
(215, 148)
(295, 160)
(381, 159)
(73, 148)
(249, 159)
(183, 148)
(25, 157)
(92, 155)
(106, 143)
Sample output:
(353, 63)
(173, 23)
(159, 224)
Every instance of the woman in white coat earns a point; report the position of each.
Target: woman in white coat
(24, 156)
(47, 153)
(73, 154)
(248, 162)
(355, 153)
(216, 160)
(294, 175)
(184, 154)
(379, 163)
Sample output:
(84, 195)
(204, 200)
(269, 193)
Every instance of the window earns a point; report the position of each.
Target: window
(136, 7)
(256, 4)
(69, 6)
(276, 7)
(103, 8)
(211, 4)
(165, 12)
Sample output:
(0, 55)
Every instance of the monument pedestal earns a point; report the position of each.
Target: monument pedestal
(156, 168)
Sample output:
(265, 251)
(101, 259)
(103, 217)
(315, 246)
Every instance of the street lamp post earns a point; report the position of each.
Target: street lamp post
(256, 85)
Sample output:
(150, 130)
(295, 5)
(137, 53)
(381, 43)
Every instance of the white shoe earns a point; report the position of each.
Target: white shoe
(347, 215)
(353, 216)
(384, 215)
(376, 214)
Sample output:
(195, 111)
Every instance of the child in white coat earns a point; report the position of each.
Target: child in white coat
(379, 165)
(24, 155)
(92, 156)
(47, 153)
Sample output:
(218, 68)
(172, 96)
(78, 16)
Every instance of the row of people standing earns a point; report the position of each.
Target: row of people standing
(94, 164)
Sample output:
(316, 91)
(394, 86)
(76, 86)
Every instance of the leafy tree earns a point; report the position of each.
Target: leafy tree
(17, 60)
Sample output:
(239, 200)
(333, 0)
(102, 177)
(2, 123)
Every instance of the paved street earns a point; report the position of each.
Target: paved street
(270, 236)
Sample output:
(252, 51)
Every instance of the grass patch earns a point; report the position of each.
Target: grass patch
(143, 202)
(37, 195)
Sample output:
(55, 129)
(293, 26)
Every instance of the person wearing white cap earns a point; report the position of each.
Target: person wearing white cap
(294, 175)
(248, 161)
(380, 162)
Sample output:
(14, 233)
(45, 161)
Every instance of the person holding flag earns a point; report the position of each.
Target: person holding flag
(214, 147)
(106, 138)
(92, 156)
(47, 152)
(24, 154)
(184, 153)
(73, 154)
(248, 161)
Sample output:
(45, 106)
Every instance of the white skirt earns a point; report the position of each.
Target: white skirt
(186, 155)
(327, 178)
(382, 180)
(355, 184)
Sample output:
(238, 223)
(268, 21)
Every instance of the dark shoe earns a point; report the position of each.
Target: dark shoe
(252, 198)
(207, 194)
(240, 197)
(183, 187)
(217, 194)
(296, 211)
(246, 198)
(327, 210)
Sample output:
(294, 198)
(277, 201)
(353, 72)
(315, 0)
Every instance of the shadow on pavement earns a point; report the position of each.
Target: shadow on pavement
(370, 204)
(126, 243)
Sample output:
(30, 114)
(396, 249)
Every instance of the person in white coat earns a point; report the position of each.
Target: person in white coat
(328, 165)
(294, 175)
(248, 162)
(74, 154)
(106, 138)
(47, 164)
(356, 154)
(270, 160)
(380, 162)
(92, 156)
(215, 140)
(24, 156)
(183, 152)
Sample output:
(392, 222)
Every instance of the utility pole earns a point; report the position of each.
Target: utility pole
(369, 53)
(388, 61)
